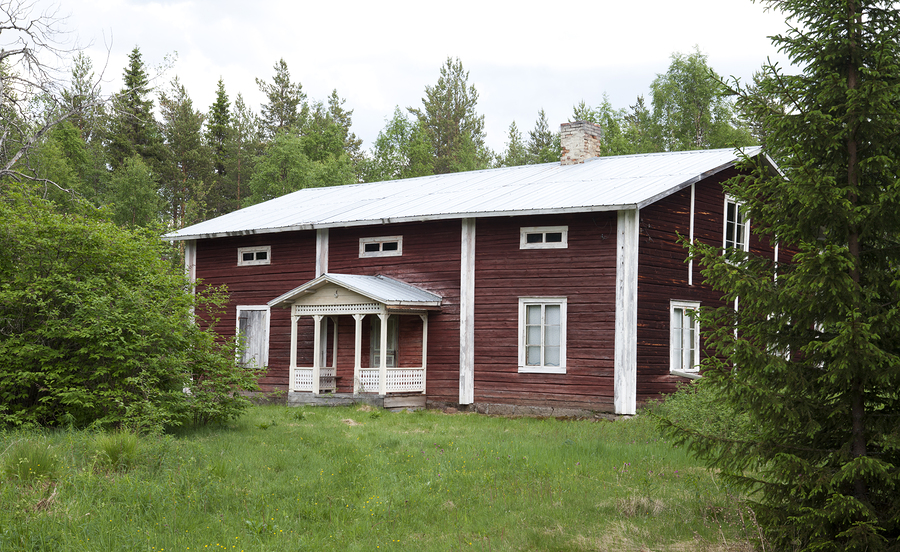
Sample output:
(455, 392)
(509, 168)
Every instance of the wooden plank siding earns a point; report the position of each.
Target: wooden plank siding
(584, 273)
(663, 274)
(292, 263)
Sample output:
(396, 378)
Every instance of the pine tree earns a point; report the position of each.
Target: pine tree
(453, 126)
(286, 109)
(222, 195)
(812, 352)
(543, 144)
(187, 180)
(134, 131)
(516, 153)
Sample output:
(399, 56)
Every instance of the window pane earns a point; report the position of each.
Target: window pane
(247, 256)
(533, 356)
(389, 246)
(551, 356)
(552, 315)
(551, 336)
(534, 238)
(553, 237)
(533, 314)
(533, 335)
(262, 255)
(372, 247)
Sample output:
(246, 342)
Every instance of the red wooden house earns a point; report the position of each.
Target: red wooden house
(544, 288)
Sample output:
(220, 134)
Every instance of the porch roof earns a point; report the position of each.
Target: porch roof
(379, 289)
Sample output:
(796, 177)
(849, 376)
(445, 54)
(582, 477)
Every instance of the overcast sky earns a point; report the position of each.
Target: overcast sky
(521, 56)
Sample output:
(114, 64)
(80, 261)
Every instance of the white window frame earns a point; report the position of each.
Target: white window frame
(524, 232)
(524, 303)
(267, 249)
(744, 224)
(678, 334)
(381, 240)
(263, 359)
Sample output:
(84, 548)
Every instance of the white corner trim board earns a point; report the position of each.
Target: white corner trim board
(625, 379)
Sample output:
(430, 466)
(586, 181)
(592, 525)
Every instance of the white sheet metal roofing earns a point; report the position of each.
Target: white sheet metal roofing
(599, 184)
(380, 289)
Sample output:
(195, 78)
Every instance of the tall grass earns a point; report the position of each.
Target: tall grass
(357, 479)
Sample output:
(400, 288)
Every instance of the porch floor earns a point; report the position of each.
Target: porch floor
(394, 401)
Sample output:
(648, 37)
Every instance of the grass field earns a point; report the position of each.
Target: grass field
(361, 479)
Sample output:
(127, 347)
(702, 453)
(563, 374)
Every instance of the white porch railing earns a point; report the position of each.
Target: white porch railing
(302, 379)
(398, 380)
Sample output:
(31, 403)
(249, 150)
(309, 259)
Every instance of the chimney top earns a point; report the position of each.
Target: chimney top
(580, 141)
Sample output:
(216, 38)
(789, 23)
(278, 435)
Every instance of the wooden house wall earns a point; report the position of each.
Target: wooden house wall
(584, 273)
(292, 263)
(431, 261)
(663, 274)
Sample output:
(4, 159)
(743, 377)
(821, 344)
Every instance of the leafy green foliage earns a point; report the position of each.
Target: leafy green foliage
(402, 150)
(96, 328)
(813, 352)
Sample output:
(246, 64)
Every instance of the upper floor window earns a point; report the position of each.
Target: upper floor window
(544, 237)
(248, 256)
(542, 334)
(384, 246)
(684, 337)
(737, 225)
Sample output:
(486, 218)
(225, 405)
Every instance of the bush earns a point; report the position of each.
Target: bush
(96, 328)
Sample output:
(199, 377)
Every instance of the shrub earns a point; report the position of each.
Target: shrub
(96, 328)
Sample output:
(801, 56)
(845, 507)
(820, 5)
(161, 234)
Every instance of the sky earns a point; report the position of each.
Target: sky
(521, 56)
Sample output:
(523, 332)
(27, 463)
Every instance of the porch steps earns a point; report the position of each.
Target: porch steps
(399, 401)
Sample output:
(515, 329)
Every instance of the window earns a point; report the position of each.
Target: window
(684, 343)
(385, 246)
(542, 335)
(737, 225)
(544, 237)
(249, 256)
(393, 326)
(253, 332)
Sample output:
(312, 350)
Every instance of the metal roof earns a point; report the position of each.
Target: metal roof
(599, 184)
(380, 289)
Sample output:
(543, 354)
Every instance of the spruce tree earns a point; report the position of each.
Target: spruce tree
(134, 130)
(808, 344)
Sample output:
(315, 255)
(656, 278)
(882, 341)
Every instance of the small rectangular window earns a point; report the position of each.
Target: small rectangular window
(544, 237)
(684, 342)
(542, 335)
(383, 246)
(249, 256)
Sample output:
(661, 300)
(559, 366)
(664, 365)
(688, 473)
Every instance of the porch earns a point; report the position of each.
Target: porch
(335, 302)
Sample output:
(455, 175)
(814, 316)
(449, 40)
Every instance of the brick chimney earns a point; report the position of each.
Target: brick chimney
(580, 141)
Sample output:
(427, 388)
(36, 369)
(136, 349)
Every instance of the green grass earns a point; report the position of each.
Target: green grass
(356, 479)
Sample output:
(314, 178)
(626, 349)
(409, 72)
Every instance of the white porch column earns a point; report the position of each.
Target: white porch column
(292, 372)
(357, 352)
(424, 318)
(625, 379)
(334, 347)
(317, 352)
(382, 371)
(467, 314)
